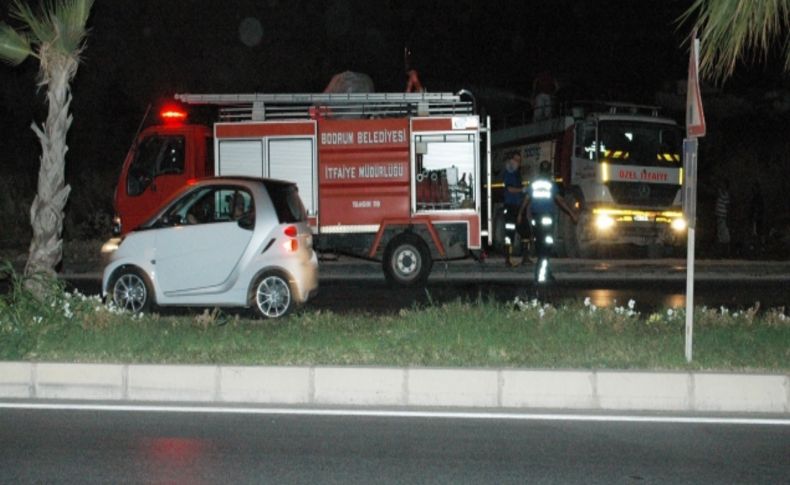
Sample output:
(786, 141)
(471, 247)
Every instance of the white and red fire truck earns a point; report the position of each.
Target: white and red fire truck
(618, 164)
(393, 177)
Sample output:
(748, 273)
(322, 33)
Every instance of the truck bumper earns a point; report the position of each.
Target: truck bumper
(636, 233)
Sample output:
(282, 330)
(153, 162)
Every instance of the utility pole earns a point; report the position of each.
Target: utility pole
(695, 128)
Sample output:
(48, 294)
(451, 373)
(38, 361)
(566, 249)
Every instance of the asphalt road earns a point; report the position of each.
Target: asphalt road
(45, 446)
(374, 295)
(352, 285)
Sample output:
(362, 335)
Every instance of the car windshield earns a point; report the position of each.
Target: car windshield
(645, 144)
(287, 203)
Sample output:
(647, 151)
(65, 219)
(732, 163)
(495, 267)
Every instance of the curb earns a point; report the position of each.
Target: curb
(401, 387)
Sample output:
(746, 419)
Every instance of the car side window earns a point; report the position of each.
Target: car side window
(213, 204)
(237, 205)
(156, 155)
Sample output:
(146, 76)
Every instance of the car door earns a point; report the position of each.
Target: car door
(204, 240)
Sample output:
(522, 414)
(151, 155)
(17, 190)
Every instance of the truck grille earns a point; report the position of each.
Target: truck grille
(643, 194)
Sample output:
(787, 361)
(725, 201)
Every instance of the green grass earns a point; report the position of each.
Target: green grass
(461, 333)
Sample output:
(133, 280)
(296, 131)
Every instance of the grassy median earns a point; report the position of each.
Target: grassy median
(79, 328)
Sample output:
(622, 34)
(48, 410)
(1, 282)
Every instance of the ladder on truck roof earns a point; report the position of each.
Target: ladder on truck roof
(614, 107)
(260, 107)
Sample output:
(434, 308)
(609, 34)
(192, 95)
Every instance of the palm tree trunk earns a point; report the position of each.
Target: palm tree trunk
(46, 213)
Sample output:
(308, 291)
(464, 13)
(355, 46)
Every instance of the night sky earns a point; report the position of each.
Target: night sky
(142, 51)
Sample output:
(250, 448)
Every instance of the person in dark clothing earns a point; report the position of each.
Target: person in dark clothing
(514, 195)
(539, 207)
(722, 213)
(757, 215)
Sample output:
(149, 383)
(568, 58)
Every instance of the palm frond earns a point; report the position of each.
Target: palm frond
(14, 46)
(72, 18)
(731, 31)
(61, 24)
(40, 30)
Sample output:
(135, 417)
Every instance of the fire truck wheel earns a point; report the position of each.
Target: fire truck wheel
(131, 291)
(272, 295)
(407, 261)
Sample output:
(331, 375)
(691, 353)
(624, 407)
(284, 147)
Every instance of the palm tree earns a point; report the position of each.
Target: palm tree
(55, 37)
(735, 30)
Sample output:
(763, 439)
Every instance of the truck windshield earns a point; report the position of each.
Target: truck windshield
(645, 144)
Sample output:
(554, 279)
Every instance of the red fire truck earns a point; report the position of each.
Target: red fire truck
(618, 164)
(394, 177)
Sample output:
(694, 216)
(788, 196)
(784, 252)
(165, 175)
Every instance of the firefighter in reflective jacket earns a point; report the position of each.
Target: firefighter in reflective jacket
(539, 208)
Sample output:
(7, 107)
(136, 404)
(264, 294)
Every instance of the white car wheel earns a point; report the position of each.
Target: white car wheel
(131, 293)
(273, 297)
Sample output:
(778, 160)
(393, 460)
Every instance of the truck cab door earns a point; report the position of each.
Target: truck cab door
(154, 170)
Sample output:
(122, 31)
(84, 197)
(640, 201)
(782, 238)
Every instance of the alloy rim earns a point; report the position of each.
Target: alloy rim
(273, 296)
(130, 293)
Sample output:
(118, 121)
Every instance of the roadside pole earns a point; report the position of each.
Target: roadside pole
(690, 210)
(695, 127)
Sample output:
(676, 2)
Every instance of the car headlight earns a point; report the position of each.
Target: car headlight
(678, 224)
(604, 222)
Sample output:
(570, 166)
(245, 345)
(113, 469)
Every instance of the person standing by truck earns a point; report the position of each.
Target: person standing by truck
(514, 195)
(722, 213)
(539, 208)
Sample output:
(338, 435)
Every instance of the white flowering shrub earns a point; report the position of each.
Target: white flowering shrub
(534, 308)
(621, 317)
(23, 318)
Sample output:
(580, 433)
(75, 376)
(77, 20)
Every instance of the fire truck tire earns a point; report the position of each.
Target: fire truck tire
(407, 261)
(131, 291)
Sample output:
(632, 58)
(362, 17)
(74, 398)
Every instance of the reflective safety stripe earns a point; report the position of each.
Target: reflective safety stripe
(549, 240)
(507, 240)
(545, 221)
(510, 226)
(541, 189)
(544, 263)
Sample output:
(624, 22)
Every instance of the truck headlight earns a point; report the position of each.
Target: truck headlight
(604, 222)
(116, 226)
(110, 246)
(678, 224)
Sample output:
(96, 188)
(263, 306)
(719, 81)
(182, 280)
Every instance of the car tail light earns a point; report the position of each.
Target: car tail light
(292, 244)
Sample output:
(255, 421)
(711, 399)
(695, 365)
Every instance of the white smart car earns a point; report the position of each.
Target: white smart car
(228, 242)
